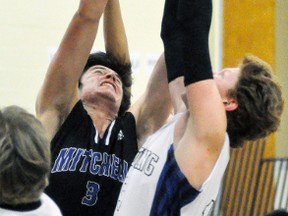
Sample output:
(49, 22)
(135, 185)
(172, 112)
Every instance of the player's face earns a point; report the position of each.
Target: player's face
(226, 79)
(101, 82)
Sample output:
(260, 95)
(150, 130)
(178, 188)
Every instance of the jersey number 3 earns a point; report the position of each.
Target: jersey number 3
(91, 196)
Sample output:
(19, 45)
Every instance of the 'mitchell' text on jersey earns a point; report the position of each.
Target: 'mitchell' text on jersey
(145, 161)
(97, 163)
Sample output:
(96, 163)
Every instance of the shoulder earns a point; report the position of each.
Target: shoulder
(77, 114)
(127, 119)
(127, 116)
(78, 118)
(49, 204)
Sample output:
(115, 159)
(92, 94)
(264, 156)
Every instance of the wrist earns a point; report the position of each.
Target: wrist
(89, 11)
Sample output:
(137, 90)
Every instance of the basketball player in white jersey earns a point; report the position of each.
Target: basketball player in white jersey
(178, 170)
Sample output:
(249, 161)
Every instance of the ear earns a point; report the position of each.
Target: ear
(230, 105)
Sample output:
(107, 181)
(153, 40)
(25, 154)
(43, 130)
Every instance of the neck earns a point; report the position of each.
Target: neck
(101, 117)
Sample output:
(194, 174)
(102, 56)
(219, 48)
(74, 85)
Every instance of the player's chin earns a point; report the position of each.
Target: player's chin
(112, 96)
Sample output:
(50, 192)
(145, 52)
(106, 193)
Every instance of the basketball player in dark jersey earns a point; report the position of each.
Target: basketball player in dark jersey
(83, 105)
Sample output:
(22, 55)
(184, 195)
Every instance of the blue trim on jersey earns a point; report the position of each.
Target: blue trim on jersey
(173, 190)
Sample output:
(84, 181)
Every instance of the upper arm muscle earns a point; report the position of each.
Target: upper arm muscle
(204, 132)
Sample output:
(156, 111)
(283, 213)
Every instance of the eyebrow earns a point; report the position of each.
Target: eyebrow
(100, 67)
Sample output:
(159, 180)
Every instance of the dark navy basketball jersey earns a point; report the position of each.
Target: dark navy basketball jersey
(87, 171)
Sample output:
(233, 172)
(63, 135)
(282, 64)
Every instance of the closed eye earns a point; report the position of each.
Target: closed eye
(99, 72)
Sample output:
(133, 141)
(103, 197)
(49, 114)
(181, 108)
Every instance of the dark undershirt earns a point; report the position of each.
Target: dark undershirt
(22, 207)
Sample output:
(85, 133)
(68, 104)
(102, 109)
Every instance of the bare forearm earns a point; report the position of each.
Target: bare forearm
(75, 47)
(59, 91)
(114, 32)
(69, 60)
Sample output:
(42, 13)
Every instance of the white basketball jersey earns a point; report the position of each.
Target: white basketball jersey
(155, 185)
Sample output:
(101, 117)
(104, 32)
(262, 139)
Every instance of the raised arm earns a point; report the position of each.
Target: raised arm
(59, 91)
(153, 108)
(114, 32)
(156, 97)
(199, 141)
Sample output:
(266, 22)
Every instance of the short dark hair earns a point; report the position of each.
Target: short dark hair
(260, 103)
(121, 68)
